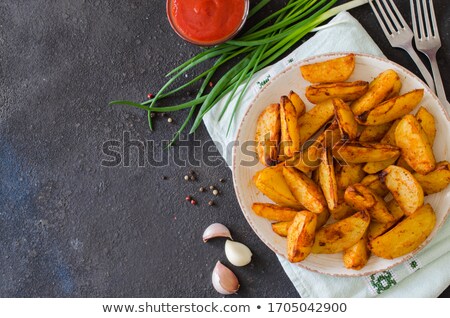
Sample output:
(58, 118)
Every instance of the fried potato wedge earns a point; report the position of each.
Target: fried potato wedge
(382, 87)
(281, 228)
(356, 256)
(379, 211)
(347, 91)
(343, 234)
(359, 197)
(428, 123)
(414, 144)
(436, 180)
(322, 218)
(330, 71)
(376, 228)
(302, 162)
(289, 132)
(374, 133)
(298, 103)
(274, 212)
(374, 184)
(401, 162)
(345, 119)
(389, 139)
(267, 136)
(406, 236)
(348, 175)
(300, 238)
(270, 182)
(304, 190)
(343, 210)
(327, 179)
(328, 138)
(405, 189)
(391, 109)
(314, 119)
(358, 152)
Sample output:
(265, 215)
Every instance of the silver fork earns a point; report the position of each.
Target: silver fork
(426, 36)
(398, 33)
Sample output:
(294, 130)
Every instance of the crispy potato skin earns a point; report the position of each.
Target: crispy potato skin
(343, 234)
(274, 212)
(289, 132)
(388, 139)
(267, 136)
(414, 144)
(327, 179)
(330, 71)
(428, 123)
(305, 190)
(385, 85)
(356, 256)
(405, 189)
(298, 103)
(314, 119)
(300, 238)
(406, 236)
(346, 91)
(358, 152)
(270, 182)
(391, 109)
(345, 119)
(436, 180)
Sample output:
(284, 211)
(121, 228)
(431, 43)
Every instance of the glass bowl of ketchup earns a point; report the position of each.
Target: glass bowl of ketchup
(207, 22)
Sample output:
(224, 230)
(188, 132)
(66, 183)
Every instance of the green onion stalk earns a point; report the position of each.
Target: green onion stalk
(257, 48)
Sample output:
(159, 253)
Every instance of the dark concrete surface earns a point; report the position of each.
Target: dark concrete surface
(72, 228)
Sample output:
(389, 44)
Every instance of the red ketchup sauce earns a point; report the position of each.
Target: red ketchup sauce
(207, 22)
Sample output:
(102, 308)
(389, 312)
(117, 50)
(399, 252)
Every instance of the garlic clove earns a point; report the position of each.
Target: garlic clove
(224, 280)
(216, 230)
(237, 253)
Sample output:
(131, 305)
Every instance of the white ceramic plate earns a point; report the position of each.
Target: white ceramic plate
(367, 68)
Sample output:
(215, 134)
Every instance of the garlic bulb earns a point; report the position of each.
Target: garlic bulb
(216, 230)
(237, 253)
(224, 280)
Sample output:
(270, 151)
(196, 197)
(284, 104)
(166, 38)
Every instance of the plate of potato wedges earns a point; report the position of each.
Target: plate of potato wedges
(342, 164)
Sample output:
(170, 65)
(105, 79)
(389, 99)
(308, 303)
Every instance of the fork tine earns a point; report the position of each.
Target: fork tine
(420, 18)
(379, 18)
(433, 19)
(427, 19)
(399, 24)
(387, 21)
(414, 19)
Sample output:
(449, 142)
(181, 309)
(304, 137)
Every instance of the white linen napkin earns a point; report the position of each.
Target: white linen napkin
(425, 275)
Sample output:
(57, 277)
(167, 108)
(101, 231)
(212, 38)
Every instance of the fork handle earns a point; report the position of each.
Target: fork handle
(422, 68)
(437, 79)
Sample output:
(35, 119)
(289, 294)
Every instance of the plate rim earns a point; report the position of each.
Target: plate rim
(234, 154)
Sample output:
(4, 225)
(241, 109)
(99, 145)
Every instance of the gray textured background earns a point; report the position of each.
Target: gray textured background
(69, 227)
